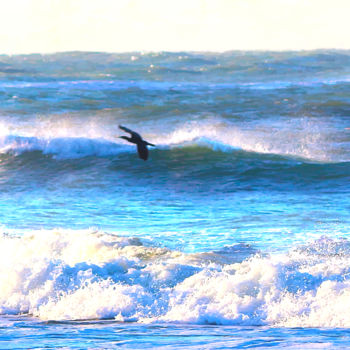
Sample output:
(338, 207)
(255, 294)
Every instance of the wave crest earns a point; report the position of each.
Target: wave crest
(306, 140)
(61, 147)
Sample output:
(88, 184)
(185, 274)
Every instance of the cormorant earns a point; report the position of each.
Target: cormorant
(136, 138)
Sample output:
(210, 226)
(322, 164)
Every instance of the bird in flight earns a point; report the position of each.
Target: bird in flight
(137, 139)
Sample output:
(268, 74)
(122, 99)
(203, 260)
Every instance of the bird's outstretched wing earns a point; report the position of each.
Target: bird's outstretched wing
(136, 138)
(132, 133)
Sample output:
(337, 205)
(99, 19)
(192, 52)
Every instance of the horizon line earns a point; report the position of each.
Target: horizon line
(145, 52)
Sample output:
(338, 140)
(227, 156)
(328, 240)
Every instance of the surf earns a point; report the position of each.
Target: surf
(211, 133)
(129, 279)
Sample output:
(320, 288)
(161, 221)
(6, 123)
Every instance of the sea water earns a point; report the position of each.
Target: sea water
(235, 232)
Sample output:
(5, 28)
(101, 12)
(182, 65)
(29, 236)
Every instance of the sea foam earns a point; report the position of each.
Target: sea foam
(86, 274)
(61, 147)
(305, 140)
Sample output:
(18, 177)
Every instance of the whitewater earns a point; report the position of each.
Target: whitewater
(234, 233)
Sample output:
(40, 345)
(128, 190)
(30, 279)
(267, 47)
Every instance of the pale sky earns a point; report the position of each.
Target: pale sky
(46, 26)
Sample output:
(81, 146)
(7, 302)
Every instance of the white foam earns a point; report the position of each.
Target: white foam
(86, 274)
(61, 147)
(303, 138)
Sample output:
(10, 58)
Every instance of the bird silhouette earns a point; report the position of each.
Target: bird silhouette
(137, 139)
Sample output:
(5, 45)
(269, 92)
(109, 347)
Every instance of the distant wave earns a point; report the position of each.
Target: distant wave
(166, 70)
(92, 84)
(87, 274)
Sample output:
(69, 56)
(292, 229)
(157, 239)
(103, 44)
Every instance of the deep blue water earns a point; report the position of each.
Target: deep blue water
(234, 233)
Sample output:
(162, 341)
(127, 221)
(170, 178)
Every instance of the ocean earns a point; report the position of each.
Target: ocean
(234, 234)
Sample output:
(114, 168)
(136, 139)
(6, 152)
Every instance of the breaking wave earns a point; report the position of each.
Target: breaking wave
(86, 274)
(308, 143)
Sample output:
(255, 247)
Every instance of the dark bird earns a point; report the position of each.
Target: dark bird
(136, 138)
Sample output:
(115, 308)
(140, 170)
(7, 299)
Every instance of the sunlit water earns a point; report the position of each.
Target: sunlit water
(235, 232)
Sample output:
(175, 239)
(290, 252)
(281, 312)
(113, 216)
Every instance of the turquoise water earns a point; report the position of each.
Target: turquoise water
(111, 334)
(234, 234)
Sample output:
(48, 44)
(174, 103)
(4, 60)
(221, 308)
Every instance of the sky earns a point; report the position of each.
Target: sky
(47, 26)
